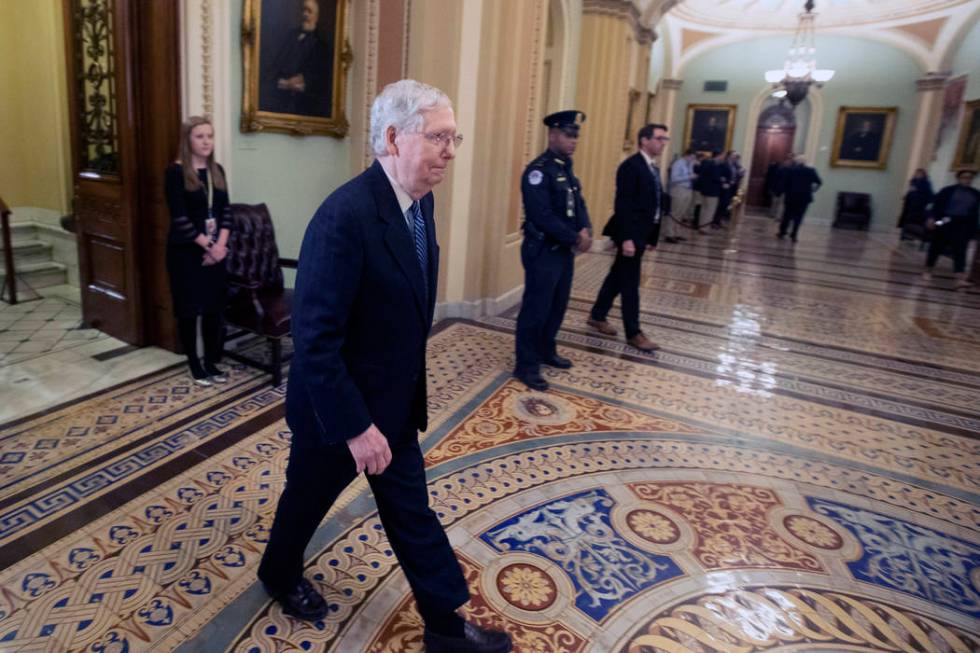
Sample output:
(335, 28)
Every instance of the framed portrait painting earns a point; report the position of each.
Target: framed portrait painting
(863, 137)
(295, 59)
(709, 127)
(968, 147)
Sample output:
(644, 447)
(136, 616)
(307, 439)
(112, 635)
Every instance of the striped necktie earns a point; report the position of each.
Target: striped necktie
(418, 229)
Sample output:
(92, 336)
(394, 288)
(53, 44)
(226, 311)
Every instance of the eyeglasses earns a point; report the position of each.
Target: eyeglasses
(443, 140)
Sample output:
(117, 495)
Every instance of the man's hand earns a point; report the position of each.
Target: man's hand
(584, 240)
(629, 248)
(370, 451)
(650, 248)
(294, 83)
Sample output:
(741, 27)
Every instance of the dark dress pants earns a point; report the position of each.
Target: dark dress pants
(792, 214)
(623, 279)
(547, 285)
(955, 234)
(315, 477)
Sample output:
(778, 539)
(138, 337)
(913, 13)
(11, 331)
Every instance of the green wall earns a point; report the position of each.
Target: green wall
(868, 74)
(291, 174)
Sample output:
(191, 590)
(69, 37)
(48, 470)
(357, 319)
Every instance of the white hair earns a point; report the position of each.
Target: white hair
(401, 105)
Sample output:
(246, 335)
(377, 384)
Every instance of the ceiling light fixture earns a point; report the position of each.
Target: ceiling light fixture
(800, 70)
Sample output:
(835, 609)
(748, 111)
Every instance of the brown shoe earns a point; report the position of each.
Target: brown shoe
(601, 326)
(642, 343)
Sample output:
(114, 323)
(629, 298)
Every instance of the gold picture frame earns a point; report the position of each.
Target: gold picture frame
(631, 115)
(863, 137)
(968, 146)
(285, 89)
(709, 127)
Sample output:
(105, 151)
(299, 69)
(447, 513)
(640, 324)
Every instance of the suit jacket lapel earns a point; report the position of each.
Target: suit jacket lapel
(398, 239)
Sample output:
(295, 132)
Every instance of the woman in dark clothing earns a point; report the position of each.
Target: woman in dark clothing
(917, 200)
(200, 222)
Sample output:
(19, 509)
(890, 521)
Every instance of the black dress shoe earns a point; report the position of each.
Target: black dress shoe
(301, 601)
(560, 362)
(533, 380)
(474, 640)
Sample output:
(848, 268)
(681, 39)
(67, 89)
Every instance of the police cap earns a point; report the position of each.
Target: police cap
(567, 121)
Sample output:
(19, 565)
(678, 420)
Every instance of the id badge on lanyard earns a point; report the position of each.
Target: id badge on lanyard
(210, 224)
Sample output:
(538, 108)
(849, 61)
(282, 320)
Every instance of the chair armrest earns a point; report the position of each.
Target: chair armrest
(288, 262)
(241, 283)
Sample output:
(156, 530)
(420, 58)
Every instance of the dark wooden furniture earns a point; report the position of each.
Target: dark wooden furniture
(853, 211)
(258, 300)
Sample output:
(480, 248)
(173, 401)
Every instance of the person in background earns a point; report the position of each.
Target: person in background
(953, 222)
(801, 182)
(556, 225)
(635, 228)
(200, 223)
(914, 206)
(682, 178)
(777, 186)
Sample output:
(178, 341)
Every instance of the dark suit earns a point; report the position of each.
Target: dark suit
(799, 183)
(637, 206)
(361, 316)
(302, 53)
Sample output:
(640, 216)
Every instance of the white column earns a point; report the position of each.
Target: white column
(923, 146)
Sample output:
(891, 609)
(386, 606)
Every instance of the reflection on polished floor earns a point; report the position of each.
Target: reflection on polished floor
(796, 469)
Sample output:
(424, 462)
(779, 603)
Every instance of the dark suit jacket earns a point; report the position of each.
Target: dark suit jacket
(799, 182)
(712, 176)
(361, 316)
(941, 202)
(637, 202)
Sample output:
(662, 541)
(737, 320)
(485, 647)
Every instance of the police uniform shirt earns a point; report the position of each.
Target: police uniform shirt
(553, 202)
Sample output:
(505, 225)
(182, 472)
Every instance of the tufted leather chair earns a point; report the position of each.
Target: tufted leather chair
(853, 210)
(258, 302)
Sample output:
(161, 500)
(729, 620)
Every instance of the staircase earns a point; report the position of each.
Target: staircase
(34, 255)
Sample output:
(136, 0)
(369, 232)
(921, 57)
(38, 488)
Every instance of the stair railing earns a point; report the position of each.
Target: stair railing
(10, 281)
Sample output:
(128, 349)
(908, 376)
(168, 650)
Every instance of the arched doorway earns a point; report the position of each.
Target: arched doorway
(773, 142)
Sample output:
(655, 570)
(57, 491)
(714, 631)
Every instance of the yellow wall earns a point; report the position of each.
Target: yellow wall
(34, 134)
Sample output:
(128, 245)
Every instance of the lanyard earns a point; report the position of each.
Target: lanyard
(207, 182)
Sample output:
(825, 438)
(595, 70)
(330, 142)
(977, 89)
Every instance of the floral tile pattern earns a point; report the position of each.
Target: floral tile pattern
(796, 468)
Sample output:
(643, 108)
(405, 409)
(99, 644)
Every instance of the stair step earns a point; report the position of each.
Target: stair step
(21, 231)
(28, 251)
(40, 275)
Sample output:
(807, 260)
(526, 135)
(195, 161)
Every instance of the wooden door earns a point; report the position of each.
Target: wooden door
(158, 98)
(124, 98)
(773, 143)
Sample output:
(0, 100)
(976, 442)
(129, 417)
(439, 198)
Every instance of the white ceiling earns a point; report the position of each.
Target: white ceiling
(783, 14)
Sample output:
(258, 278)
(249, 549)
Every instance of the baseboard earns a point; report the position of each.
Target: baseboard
(477, 308)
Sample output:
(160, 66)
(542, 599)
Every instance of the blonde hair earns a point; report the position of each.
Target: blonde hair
(191, 180)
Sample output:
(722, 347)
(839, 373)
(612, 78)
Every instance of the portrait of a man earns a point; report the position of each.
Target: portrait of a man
(863, 137)
(295, 62)
(295, 65)
(709, 127)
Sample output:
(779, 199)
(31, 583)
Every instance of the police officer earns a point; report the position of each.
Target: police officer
(556, 224)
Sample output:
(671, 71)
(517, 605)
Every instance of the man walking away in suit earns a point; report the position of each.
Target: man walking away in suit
(362, 311)
(634, 227)
(801, 181)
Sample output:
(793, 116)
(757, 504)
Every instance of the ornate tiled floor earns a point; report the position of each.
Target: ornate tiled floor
(796, 470)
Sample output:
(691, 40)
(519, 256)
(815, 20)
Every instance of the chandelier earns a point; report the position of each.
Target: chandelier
(800, 70)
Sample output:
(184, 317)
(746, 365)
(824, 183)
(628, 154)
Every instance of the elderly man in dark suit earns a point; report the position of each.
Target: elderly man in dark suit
(634, 227)
(801, 181)
(363, 307)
